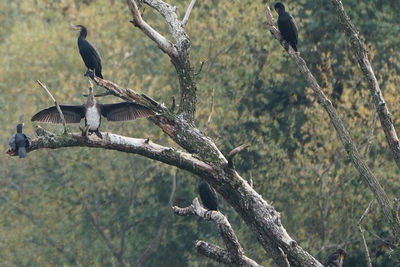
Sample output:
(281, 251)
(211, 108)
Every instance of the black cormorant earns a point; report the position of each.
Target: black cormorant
(20, 141)
(208, 195)
(336, 258)
(89, 53)
(92, 111)
(287, 26)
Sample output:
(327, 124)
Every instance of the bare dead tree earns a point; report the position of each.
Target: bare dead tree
(198, 153)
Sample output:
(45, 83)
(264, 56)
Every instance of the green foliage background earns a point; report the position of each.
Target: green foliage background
(296, 160)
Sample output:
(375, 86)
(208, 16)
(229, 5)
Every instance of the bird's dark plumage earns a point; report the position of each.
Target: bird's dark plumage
(92, 111)
(336, 258)
(208, 195)
(20, 141)
(89, 53)
(287, 26)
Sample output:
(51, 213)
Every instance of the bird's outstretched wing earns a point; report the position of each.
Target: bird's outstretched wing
(125, 111)
(72, 114)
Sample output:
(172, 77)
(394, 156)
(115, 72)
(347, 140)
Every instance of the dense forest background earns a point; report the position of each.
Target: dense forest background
(56, 206)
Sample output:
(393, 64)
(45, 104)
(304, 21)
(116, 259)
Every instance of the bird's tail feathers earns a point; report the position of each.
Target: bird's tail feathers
(22, 152)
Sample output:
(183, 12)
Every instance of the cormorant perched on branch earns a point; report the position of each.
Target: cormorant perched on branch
(89, 53)
(287, 26)
(336, 258)
(92, 111)
(208, 195)
(20, 141)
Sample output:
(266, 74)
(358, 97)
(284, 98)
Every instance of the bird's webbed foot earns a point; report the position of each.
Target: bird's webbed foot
(89, 73)
(98, 133)
(207, 215)
(85, 130)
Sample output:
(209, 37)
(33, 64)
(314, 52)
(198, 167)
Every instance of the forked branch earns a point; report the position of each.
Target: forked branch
(163, 43)
(234, 252)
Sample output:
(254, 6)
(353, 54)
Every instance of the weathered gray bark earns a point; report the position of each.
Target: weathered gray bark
(344, 136)
(233, 254)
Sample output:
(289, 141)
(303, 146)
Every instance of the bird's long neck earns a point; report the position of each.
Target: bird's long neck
(83, 33)
(91, 101)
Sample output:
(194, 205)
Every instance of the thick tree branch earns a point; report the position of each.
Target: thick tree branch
(178, 51)
(179, 129)
(163, 43)
(175, 26)
(361, 53)
(234, 249)
(344, 136)
(213, 252)
(138, 146)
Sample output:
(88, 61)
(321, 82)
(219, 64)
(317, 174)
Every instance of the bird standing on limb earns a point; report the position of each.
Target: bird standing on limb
(20, 141)
(287, 26)
(92, 112)
(207, 195)
(336, 258)
(89, 53)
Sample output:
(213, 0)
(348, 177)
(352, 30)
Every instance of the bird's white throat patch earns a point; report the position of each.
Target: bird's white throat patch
(92, 118)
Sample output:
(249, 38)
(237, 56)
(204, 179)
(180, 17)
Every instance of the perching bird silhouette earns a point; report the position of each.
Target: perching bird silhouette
(20, 141)
(207, 195)
(336, 258)
(92, 112)
(89, 53)
(287, 26)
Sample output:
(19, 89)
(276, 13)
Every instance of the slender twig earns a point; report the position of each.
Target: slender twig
(371, 133)
(284, 257)
(103, 234)
(367, 256)
(234, 152)
(100, 95)
(211, 110)
(157, 239)
(55, 102)
(201, 67)
(187, 14)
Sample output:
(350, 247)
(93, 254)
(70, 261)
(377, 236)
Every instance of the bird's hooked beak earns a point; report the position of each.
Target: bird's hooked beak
(90, 85)
(277, 10)
(76, 27)
(342, 256)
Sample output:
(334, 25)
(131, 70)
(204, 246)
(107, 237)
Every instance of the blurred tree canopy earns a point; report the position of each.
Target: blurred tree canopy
(49, 200)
